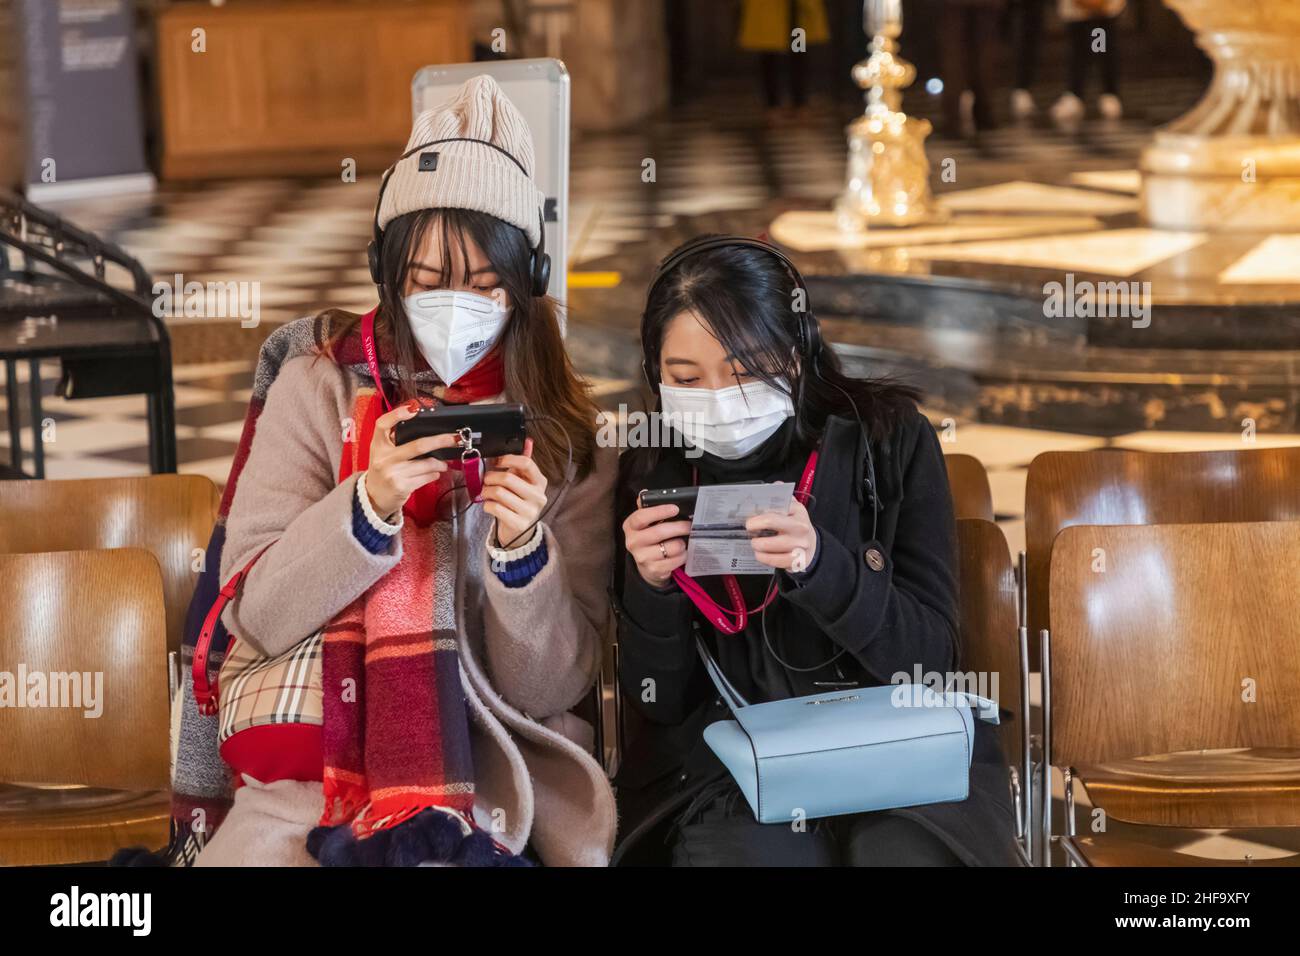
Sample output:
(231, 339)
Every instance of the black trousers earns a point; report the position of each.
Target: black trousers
(1078, 37)
(788, 67)
(1029, 38)
(723, 832)
(968, 41)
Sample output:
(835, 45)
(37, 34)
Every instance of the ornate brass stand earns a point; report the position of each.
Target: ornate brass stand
(888, 180)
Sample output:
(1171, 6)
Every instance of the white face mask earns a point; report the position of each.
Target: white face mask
(726, 422)
(453, 330)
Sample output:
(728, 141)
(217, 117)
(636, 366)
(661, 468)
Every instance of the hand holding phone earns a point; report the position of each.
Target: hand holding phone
(514, 492)
(396, 471)
(656, 542)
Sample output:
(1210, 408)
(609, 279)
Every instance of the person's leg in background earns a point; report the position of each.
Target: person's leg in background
(886, 839)
(952, 23)
(1109, 104)
(981, 50)
(797, 72)
(769, 67)
(677, 28)
(1070, 107)
(1029, 37)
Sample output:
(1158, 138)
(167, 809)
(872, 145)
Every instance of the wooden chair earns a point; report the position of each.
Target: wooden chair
(1172, 674)
(1111, 487)
(971, 495)
(168, 515)
(76, 787)
(993, 644)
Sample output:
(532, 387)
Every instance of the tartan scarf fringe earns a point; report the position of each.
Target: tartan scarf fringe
(431, 835)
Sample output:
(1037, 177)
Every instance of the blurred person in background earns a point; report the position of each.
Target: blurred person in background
(1028, 26)
(767, 28)
(1091, 30)
(968, 39)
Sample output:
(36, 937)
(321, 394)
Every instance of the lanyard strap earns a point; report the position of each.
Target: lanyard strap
(470, 463)
(734, 619)
(372, 354)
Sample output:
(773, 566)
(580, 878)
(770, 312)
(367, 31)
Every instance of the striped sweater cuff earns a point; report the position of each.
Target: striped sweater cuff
(516, 567)
(374, 533)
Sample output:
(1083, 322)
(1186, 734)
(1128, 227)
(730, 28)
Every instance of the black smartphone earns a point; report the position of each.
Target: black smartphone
(492, 430)
(683, 498)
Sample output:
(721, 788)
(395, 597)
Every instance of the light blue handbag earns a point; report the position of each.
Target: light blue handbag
(850, 751)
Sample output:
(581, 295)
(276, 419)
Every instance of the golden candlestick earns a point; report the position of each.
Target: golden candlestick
(888, 178)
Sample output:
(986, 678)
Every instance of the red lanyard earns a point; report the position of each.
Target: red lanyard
(470, 462)
(733, 620)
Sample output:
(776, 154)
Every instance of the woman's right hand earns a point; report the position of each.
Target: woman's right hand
(395, 473)
(657, 545)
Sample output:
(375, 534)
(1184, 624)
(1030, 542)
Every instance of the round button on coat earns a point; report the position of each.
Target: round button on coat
(874, 558)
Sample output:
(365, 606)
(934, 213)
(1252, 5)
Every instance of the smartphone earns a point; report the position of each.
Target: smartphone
(493, 430)
(683, 498)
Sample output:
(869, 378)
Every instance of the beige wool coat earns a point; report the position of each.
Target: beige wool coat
(528, 654)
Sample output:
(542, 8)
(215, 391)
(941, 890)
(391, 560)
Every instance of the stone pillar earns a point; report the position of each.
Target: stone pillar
(617, 57)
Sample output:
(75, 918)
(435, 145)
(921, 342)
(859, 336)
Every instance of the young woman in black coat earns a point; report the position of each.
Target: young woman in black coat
(865, 576)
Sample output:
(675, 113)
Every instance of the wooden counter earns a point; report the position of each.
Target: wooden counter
(295, 87)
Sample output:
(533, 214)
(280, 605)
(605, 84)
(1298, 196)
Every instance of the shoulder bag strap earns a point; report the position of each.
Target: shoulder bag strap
(729, 693)
(205, 691)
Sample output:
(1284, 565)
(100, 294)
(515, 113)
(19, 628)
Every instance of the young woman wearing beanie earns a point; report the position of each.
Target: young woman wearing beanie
(863, 588)
(454, 636)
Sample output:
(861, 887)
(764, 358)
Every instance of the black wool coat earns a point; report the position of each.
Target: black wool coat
(888, 617)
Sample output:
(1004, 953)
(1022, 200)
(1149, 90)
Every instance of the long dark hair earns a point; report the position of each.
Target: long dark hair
(746, 297)
(537, 367)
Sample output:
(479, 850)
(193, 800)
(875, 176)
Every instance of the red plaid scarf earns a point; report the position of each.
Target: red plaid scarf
(395, 733)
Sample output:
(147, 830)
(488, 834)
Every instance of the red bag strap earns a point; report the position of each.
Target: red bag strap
(205, 691)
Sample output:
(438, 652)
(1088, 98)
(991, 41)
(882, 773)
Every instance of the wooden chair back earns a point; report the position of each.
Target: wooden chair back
(83, 640)
(971, 495)
(1169, 638)
(1115, 487)
(990, 641)
(170, 516)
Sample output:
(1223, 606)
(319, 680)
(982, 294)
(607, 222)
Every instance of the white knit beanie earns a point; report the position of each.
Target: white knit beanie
(466, 175)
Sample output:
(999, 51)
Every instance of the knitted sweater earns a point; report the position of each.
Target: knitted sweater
(529, 652)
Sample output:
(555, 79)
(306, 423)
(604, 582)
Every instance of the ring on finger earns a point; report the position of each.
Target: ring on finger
(663, 549)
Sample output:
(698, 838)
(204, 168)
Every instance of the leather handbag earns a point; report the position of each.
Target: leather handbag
(271, 708)
(850, 751)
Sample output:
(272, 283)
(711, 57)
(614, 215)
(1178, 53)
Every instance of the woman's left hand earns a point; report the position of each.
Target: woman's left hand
(793, 546)
(514, 492)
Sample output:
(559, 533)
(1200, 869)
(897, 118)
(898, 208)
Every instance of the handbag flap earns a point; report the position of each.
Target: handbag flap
(851, 718)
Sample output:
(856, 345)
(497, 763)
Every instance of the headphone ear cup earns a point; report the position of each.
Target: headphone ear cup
(812, 336)
(541, 273)
(372, 259)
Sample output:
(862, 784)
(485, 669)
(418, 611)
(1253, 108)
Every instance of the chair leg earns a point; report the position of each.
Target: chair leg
(1068, 777)
(1045, 650)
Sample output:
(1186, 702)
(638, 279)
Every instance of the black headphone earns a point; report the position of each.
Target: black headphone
(540, 265)
(807, 333)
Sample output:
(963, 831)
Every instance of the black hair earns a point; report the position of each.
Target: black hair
(537, 366)
(747, 299)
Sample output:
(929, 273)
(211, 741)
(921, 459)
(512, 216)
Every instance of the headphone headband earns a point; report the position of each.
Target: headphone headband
(541, 262)
(806, 328)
